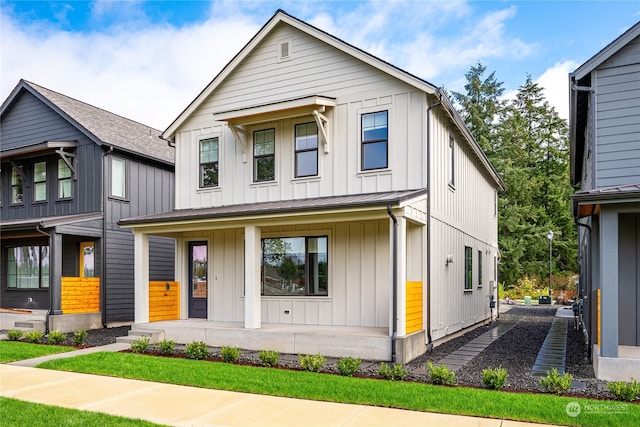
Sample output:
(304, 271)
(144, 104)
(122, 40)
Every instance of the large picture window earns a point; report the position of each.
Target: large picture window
(294, 266)
(468, 268)
(209, 162)
(118, 178)
(264, 155)
(374, 141)
(40, 181)
(64, 180)
(17, 187)
(28, 267)
(306, 149)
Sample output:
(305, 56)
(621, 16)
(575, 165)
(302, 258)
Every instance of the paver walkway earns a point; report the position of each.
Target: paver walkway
(467, 352)
(553, 353)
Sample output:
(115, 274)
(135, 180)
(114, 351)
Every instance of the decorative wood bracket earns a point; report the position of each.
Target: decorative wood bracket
(65, 157)
(240, 135)
(321, 121)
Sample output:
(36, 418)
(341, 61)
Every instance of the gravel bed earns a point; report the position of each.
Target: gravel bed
(516, 351)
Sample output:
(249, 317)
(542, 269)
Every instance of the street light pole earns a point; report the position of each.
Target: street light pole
(550, 237)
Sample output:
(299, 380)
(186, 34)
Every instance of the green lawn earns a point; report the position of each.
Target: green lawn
(11, 351)
(20, 413)
(544, 408)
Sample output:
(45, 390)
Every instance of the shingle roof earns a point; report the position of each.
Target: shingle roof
(281, 206)
(106, 127)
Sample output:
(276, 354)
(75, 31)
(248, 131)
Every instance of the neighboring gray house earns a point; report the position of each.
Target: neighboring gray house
(605, 165)
(69, 173)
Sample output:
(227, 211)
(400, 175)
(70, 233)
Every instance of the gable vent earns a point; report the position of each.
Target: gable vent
(284, 50)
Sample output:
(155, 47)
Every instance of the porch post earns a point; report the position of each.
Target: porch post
(141, 277)
(402, 277)
(252, 237)
(55, 273)
(609, 281)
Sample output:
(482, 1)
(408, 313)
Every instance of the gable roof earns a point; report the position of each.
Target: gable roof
(101, 126)
(282, 17)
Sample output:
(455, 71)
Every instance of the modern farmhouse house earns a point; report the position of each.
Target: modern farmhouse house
(605, 164)
(327, 202)
(69, 173)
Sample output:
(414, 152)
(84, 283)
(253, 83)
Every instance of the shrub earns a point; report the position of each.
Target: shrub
(624, 390)
(348, 366)
(79, 337)
(312, 362)
(494, 378)
(14, 335)
(34, 337)
(140, 345)
(553, 382)
(269, 357)
(56, 337)
(230, 354)
(441, 375)
(197, 350)
(397, 373)
(165, 346)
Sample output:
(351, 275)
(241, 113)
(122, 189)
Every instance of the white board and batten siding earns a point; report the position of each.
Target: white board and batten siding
(617, 87)
(463, 214)
(315, 69)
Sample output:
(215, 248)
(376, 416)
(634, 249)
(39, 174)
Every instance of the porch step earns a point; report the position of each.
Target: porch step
(154, 336)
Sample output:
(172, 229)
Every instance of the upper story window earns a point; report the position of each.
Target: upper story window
(209, 162)
(40, 181)
(306, 149)
(64, 180)
(452, 162)
(468, 268)
(118, 177)
(28, 267)
(375, 141)
(17, 186)
(264, 155)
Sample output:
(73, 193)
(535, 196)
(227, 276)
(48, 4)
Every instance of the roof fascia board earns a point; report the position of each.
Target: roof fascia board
(607, 52)
(279, 17)
(243, 116)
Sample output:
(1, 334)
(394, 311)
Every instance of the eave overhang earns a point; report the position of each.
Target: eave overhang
(48, 222)
(37, 148)
(588, 203)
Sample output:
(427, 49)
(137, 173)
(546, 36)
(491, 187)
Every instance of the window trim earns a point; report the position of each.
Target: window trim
(20, 174)
(125, 197)
(59, 180)
(363, 143)
(16, 288)
(479, 268)
(254, 157)
(35, 183)
(468, 268)
(452, 162)
(306, 150)
(201, 164)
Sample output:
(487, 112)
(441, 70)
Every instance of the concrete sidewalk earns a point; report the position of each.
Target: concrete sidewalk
(191, 406)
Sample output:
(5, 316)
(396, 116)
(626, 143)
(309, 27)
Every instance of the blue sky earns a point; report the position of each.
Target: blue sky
(147, 60)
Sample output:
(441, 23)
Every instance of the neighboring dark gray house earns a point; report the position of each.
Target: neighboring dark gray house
(604, 127)
(70, 171)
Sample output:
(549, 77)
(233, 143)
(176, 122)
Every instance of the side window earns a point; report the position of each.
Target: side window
(264, 155)
(468, 268)
(375, 141)
(306, 149)
(17, 186)
(64, 180)
(209, 162)
(118, 177)
(40, 181)
(87, 261)
(479, 269)
(452, 162)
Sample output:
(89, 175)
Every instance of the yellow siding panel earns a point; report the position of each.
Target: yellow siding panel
(80, 295)
(414, 310)
(164, 304)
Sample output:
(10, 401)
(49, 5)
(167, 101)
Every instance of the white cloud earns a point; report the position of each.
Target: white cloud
(555, 81)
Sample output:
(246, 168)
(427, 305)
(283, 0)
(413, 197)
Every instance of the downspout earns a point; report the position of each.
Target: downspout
(394, 282)
(103, 242)
(429, 197)
(51, 242)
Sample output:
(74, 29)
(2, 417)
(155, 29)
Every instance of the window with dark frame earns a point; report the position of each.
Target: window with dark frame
(452, 162)
(209, 162)
(28, 267)
(17, 186)
(479, 269)
(64, 180)
(40, 181)
(264, 155)
(306, 149)
(294, 266)
(468, 268)
(118, 177)
(375, 134)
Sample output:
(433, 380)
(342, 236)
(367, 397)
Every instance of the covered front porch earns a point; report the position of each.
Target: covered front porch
(335, 341)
